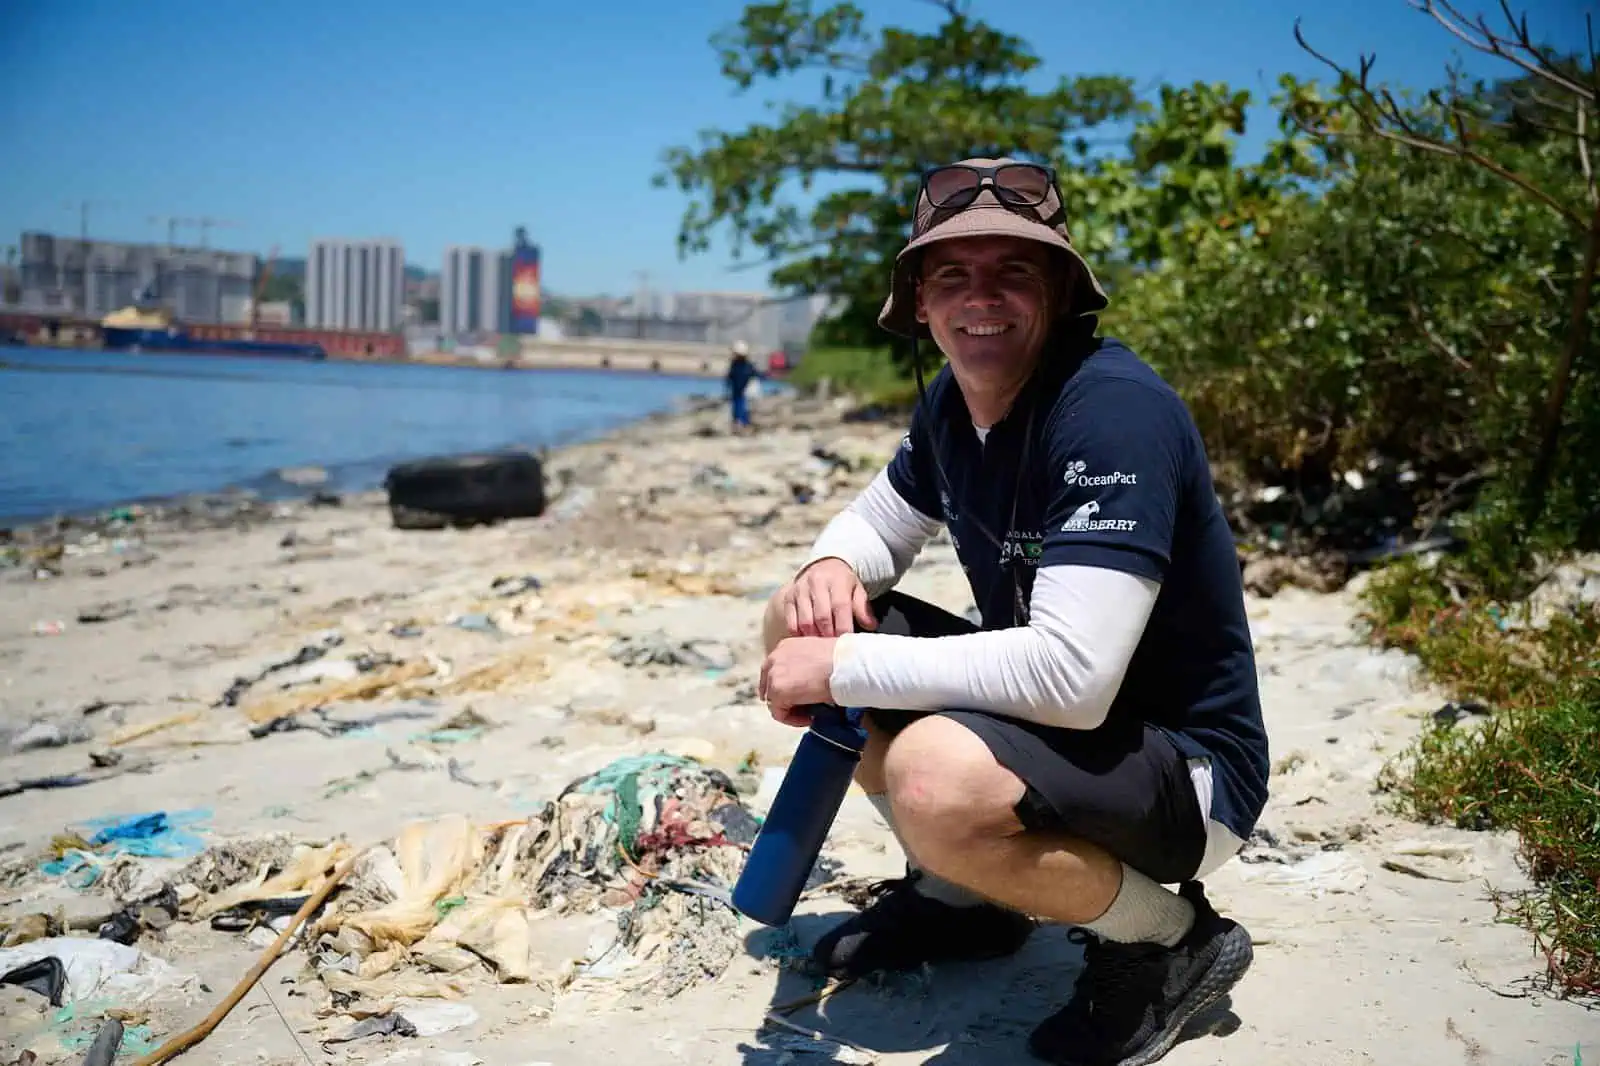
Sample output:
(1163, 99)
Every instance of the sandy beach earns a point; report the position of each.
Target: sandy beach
(463, 679)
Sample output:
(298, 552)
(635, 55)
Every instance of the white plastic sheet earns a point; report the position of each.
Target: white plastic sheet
(102, 969)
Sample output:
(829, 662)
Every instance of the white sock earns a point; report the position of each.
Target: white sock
(934, 888)
(1144, 913)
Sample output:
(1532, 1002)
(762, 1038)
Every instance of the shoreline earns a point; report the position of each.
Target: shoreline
(425, 359)
(269, 487)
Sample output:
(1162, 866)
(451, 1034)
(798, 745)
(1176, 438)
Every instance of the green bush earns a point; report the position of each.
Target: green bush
(1413, 310)
(871, 375)
(1533, 766)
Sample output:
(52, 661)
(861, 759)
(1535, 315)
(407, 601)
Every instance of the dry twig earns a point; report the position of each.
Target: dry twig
(184, 1041)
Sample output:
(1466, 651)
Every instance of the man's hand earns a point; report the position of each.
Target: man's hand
(796, 674)
(827, 600)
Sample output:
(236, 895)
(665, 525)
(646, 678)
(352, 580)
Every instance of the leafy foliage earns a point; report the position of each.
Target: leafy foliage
(889, 106)
(283, 287)
(1357, 296)
(1412, 311)
(1555, 97)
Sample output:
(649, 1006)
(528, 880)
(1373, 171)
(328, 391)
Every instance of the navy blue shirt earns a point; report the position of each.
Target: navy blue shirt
(1100, 464)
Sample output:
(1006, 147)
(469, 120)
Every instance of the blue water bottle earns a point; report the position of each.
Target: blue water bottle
(790, 840)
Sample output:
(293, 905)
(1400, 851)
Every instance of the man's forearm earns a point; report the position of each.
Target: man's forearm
(850, 537)
(1064, 669)
(878, 534)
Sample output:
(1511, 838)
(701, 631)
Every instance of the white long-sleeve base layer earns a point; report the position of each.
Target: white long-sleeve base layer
(1062, 669)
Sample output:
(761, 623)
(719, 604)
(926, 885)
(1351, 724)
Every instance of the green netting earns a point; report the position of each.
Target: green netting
(633, 781)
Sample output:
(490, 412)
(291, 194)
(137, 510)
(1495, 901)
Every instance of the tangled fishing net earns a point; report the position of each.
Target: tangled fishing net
(658, 839)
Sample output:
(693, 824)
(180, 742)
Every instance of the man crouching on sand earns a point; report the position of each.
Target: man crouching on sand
(1101, 735)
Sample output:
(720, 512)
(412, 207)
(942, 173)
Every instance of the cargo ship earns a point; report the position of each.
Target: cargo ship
(133, 329)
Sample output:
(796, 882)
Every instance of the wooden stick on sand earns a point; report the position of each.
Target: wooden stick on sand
(184, 1041)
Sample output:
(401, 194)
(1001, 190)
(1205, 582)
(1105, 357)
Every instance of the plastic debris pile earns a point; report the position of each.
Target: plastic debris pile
(637, 860)
(667, 837)
(655, 839)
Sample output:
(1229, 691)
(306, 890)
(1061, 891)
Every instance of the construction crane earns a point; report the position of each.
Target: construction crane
(172, 223)
(83, 207)
(261, 287)
(206, 223)
(203, 223)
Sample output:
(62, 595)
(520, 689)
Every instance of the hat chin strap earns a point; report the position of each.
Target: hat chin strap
(916, 371)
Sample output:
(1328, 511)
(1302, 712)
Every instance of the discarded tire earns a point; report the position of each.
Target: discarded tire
(464, 490)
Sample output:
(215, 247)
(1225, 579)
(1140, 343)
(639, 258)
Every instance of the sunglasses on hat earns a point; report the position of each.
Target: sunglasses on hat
(1021, 187)
(956, 185)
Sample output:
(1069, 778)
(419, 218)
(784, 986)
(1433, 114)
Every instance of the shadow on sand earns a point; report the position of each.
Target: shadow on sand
(955, 1014)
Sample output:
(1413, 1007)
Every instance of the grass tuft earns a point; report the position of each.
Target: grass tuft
(1533, 766)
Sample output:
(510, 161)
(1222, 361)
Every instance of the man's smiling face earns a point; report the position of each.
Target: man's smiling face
(987, 302)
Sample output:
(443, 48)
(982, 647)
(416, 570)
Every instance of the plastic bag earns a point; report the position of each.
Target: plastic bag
(98, 969)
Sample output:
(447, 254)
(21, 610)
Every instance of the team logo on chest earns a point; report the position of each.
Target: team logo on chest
(1078, 474)
(1025, 546)
(1083, 520)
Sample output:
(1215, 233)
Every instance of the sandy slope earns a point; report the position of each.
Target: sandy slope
(1376, 941)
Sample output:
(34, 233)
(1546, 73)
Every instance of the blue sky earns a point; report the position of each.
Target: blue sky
(453, 121)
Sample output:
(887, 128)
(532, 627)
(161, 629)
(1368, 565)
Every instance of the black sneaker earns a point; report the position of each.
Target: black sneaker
(901, 929)
(1133, 1000)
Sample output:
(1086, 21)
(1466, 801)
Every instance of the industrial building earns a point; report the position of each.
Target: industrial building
(71, 276)
(355, 284)
(763, 321)
(490, 290)
(474, 291)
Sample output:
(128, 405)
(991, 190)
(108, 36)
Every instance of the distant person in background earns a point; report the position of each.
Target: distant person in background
(741, 371)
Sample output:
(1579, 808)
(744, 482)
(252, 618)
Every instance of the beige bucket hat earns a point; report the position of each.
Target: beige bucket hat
(986, 216)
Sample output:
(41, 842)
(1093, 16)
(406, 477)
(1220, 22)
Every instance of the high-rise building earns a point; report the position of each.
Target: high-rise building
(475, 291)
(355, 284)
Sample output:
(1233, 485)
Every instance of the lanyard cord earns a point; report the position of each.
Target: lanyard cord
(1019, 606)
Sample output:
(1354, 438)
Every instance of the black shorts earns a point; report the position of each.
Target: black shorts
(1125, 788)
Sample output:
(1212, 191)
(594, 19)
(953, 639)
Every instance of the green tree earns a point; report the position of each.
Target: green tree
(1394, 314)
(555, 307)
(1554, 96)
(282, 287)
(289, 289)
(889, 105)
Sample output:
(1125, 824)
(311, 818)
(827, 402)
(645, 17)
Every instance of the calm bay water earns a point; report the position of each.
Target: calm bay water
(81, 431)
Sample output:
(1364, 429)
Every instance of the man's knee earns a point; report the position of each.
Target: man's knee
(946, 787)
(869, 771)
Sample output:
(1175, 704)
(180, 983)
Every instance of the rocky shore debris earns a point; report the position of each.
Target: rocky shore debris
(1570, 588)
(643, 852)
(120, 531)
(1266, 575)
(1370, 512)
(308, 653)
(657, 649)
(102, 765)
(49, 734)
